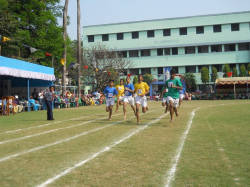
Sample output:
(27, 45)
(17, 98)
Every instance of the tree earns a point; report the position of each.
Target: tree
(248, 69)
(65, 22)
(100, 64)
(204, 75)
(242, 70)
(214, 74)
(226, 69)
(235, 72)
(135, 80)
(148, 78)
(190, 80)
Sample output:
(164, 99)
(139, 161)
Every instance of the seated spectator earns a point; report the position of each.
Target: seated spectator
(17, 106)
(35, 94)
(68, 95)
(67, 102)
(35, 105)
(56, 103)
(76, 101)
(63, 104)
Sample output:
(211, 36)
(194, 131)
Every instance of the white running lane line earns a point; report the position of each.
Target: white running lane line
(17, 130)
(64, 140)
(51, 180)
(53, 130)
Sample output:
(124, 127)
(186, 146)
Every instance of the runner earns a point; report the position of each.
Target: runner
(164, 96)
(128, 97)
(182, 92)
(120, 89)
(142, 89)
(111, 93)
(173, 85)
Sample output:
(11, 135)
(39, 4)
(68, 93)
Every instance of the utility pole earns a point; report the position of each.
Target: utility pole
(79, 46)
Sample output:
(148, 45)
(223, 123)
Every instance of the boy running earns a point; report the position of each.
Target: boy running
(164, 96)
(128, 97)
(120, 89)
(173, 85)
(142, 89)
(182, 92)
(111, 93)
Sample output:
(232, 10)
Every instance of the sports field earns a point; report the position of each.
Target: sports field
(207, 145)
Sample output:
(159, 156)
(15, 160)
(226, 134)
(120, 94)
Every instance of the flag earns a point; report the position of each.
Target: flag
(73, 65)
(63, 61)
(32, 50)
(47, 54)
(5, 39)
(58, 57)
(26, 46)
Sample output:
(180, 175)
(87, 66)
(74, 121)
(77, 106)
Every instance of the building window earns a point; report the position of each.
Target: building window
(159, 52)
(216, 48)
(135, 35)
(203, 49)
(176, 69)
(229, 47)
(123, 54)
(145, 70)
(160, 70)
(235, 27)
(133, 53)
(243, 47)
(134, 71)
(167, 51)
(151, 34)
(183, 31)
(189, 50)
(145, 52)
(218, 67)
(125, 73)
(190, 69)
(119, 36)
(200, 30)
(217, 28)
(105, 37)
(91, 38)
(175, 51)
(166, 32)
(201, 66)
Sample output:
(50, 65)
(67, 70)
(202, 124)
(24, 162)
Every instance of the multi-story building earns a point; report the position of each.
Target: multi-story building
(185, 44)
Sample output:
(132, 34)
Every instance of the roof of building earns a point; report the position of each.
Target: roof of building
(229, 13)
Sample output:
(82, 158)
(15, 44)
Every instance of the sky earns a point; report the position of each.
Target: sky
(95, 12)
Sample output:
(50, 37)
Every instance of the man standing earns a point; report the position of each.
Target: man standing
(111, 93)
(35, 94)
(120, 90)
(142, 89)
(49, 98)
(128, 97)
(173, 85)
(164, 96)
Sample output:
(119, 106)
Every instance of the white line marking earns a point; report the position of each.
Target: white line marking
(38, 134)
(61, 141)
(49, 181)
(171, 173)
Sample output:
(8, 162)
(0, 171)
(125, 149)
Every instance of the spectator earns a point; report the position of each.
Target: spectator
(35, 94)
(32, 102)
(67, 102)
(40, 96)
(76, 101)
(62, 101)
(56, 103)
(17, 106)
(72, 100)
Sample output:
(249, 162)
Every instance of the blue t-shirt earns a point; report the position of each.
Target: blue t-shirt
(184, 88)
(129, 86)
(110, 92)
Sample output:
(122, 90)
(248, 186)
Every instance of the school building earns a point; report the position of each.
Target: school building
(185, 44)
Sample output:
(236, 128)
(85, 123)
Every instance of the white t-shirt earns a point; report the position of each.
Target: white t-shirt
(98, 95)
(40, 95)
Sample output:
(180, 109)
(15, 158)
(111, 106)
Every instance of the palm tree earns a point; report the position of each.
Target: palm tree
(190, 80)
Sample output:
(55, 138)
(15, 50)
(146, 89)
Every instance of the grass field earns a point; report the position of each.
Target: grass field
(207, 145)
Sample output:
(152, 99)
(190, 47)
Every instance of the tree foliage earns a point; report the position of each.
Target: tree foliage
(103, 64)
(148, 78)
(235, 72)
(242, 70)
(248, 69)
(190, 80)
(214, 74)
(226, 69)
(135, 80)
(204, 75)
(33, 23)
